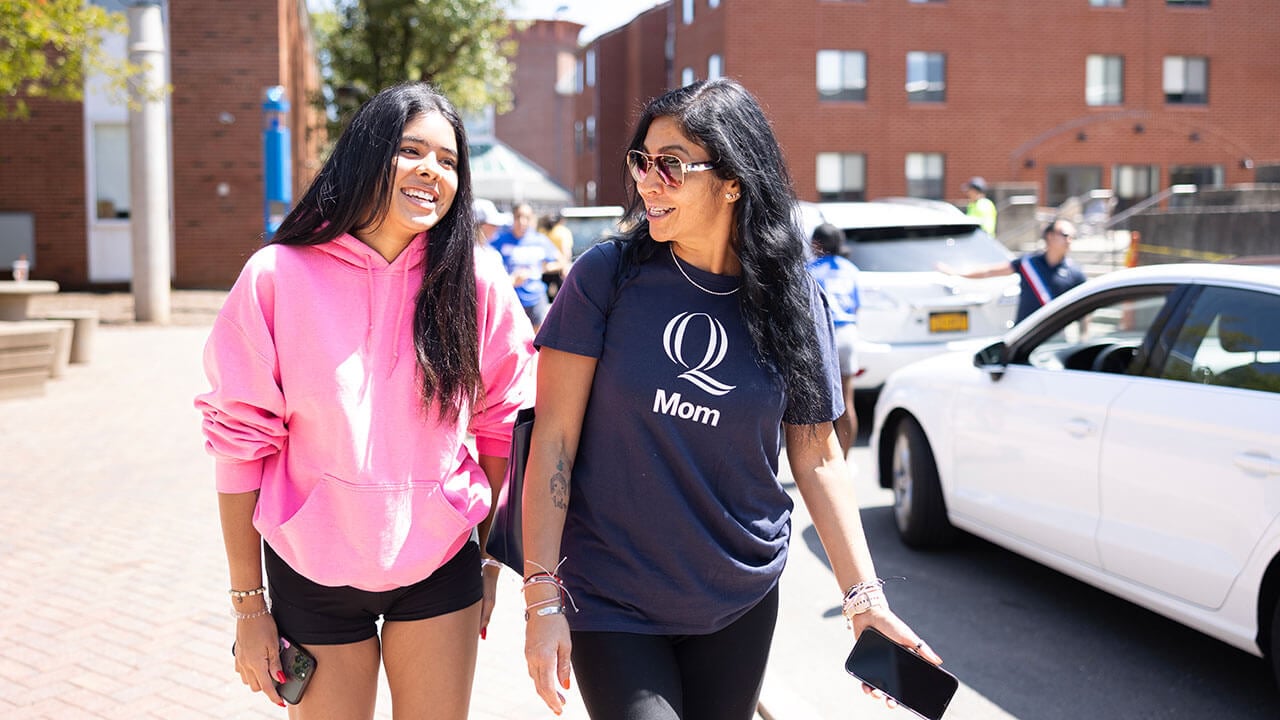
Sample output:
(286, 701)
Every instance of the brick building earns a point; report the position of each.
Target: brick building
(67, 165)
(875, 98)
(540, 123)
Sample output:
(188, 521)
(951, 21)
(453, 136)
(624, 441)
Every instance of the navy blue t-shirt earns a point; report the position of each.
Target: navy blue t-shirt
(677, 523)
(1056, 280)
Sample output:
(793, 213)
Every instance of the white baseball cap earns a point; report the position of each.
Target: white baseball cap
(486, 213)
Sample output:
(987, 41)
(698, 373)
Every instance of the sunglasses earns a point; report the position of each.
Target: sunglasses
(671, 169)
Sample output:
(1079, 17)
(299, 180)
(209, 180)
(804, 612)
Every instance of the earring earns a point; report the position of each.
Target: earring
(732, 196)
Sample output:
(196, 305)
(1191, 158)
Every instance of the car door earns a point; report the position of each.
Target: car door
(1191, 456)
(1027, 445)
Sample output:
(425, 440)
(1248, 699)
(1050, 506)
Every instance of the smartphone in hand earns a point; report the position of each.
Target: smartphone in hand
(299, 666)
(915, 683)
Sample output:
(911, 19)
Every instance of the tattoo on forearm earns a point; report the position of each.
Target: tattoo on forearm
(560, 485)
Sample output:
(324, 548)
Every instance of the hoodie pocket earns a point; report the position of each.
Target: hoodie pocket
(374, 537)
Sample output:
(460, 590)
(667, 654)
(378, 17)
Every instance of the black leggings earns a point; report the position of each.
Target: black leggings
(624, 676)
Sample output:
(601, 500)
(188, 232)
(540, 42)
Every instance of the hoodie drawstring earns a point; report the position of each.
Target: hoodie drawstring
(404, 287)
(368, 278)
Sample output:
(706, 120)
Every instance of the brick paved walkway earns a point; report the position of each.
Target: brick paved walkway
(112, 575)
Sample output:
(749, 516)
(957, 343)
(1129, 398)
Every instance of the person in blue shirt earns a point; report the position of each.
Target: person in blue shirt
(838, 278)
(528, 254)
(672, 364)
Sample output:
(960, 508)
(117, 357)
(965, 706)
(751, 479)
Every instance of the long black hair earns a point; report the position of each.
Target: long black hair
(721, 116)
(352, 192)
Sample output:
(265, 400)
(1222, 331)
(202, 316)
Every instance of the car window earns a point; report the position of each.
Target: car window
(920, 249)
(587, 231)
(1104, 337)
(1231, 337)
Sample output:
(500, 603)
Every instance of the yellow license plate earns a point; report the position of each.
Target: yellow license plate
(944, 322)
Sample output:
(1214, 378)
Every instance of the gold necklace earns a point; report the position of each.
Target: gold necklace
(676, 260)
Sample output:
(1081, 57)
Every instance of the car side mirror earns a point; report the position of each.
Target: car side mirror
(992, 359)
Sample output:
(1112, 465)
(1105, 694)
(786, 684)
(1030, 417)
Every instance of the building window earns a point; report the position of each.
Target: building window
(591, 68)
(688, 12)
(566, 73)
(111, 171)
(1186, 80)
(577, 137)
(1133, 184)
(578, 77)
(842, 75)
(1106, 3)
(591, 133)
(687, 77)
(926, 77)
(713, 3)
(924, 175)
(1202, 176)
(1064, 182)
(1104, 80)
(926, 2)
(842, 176)
(592, 192)
(1189, 3)
(715, 67)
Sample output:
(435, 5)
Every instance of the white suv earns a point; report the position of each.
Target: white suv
(910, 310)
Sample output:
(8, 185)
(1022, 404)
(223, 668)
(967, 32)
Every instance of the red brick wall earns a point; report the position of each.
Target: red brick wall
(540, 125)
(222, 58)
(42, 171)
(631, 69)
(1015, 84)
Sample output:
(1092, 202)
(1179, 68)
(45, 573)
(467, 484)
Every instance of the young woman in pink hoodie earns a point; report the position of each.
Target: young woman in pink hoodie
(354, 357)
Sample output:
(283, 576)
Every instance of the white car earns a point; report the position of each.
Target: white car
(910, 310)
(1126, 434)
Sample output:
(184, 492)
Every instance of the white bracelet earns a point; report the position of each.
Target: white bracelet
(247, 593)
(489, 562)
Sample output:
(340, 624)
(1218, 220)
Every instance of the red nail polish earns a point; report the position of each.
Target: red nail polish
(280, 676)
(566, 683)
(282, 704)
(483, 633)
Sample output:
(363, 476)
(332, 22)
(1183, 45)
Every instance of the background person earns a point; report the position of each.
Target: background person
(1043, 275)
(489, 220)
(671, 365)
(980, 206)
(352, 359)
(838, 278)
(528, 254)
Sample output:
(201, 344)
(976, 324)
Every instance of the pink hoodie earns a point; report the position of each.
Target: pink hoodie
(315, 402)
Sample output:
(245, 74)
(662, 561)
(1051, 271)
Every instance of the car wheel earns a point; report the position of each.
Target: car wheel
(918, 508)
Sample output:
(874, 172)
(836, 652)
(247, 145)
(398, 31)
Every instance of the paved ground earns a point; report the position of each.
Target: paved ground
(112, 576)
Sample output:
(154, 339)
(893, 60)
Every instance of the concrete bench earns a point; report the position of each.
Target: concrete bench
(31, 351)
(84, 325)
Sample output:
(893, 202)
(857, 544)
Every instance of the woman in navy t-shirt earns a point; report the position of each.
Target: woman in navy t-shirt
(673, 362)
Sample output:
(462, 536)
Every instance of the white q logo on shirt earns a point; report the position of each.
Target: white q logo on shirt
(673, 341)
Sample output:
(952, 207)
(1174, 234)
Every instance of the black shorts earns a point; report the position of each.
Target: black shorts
(314, 614)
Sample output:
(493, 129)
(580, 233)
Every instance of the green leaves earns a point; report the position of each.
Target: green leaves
(460, 46)
(49, 47)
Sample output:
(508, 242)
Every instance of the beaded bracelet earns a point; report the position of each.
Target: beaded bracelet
(247, 593)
